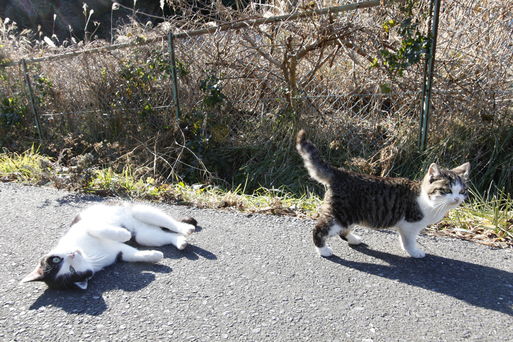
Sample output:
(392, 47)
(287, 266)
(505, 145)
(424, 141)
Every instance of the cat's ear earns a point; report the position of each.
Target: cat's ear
(82, 285)
(434, 171)
(462, 170)
(37, 274)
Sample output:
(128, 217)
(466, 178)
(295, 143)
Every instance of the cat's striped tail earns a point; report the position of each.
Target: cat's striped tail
(316, 167)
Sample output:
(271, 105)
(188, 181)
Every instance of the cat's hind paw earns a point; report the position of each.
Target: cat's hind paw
(181, 243)
(353, 239)
(416, 253)
(189, 230)
(190, 226)
(324, 251)
(189, 220)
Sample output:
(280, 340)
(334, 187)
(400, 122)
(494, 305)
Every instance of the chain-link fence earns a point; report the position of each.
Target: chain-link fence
(474, 62)
(247, 90)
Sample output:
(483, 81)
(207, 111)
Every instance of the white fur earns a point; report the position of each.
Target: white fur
(102, 230)
(96, 240)
(434, 210)
(353, 239)
(324, 251)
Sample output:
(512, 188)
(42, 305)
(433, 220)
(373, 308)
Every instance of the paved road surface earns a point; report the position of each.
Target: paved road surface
(251, 278)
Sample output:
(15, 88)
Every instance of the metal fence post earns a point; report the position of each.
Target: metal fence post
(173, 74)
(428, 84)
(31, 97)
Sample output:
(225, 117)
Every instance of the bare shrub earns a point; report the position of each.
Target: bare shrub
(244, 92)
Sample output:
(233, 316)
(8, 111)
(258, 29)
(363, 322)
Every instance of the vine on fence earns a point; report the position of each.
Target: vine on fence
(12, 112)
(212, 89)
(414, 44)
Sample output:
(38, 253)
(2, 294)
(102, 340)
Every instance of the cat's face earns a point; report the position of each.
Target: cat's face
(446, 188)
(62, 270)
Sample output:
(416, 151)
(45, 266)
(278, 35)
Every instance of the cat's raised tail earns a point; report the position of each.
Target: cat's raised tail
(315, 165)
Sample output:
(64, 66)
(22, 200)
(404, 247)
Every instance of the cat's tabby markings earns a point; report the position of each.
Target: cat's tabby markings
(97, 237)
(380, 202)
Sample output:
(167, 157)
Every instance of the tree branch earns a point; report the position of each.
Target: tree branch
(260, 51)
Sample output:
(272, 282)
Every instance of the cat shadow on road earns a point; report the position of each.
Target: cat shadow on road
(478, 285)
(191, 252)
(128, 277)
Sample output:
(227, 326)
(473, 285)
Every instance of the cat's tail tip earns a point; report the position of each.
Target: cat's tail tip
(301, 137)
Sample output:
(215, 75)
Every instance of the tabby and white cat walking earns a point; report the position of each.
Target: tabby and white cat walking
(96, 240)
(380, 202)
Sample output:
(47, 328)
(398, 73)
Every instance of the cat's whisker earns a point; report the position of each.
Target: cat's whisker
(440, 208)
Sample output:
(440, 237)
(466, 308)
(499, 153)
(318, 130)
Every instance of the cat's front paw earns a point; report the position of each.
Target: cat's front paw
(181, 243)
(416, 253)
(324, 251)
(152, 256)
(122, 235)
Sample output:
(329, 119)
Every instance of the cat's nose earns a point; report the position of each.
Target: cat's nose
(71, 255)
(456, 200)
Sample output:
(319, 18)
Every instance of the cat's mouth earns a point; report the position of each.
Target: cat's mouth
(457, 201)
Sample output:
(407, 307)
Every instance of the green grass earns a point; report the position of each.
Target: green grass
(485, 218)
(27, 167)
(32, 168)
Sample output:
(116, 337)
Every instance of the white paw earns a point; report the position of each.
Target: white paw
(353, 239)
(189, 230)
(181, 243)
(416, 253)
(324, 251)
(123, 235)
(152, 256)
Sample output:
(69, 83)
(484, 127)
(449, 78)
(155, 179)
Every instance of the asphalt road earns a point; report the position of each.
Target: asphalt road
(251, 278)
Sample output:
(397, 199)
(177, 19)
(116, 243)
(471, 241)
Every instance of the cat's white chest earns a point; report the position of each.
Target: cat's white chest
(434, 211)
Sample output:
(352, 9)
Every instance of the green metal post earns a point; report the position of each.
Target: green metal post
(173, 74)
(428, 85)
(31, 96)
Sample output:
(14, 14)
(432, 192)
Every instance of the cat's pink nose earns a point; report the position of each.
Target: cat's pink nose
(71, 255)
(456, 200)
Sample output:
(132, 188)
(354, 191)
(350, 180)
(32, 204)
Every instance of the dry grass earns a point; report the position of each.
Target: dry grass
(245, 93)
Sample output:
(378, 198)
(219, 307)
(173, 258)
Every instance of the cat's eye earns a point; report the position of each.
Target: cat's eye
(56, 260)
(463, 192)
(447, 191)
(72, 270)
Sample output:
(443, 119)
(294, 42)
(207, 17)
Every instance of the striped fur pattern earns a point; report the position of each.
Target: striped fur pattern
(380, 202)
